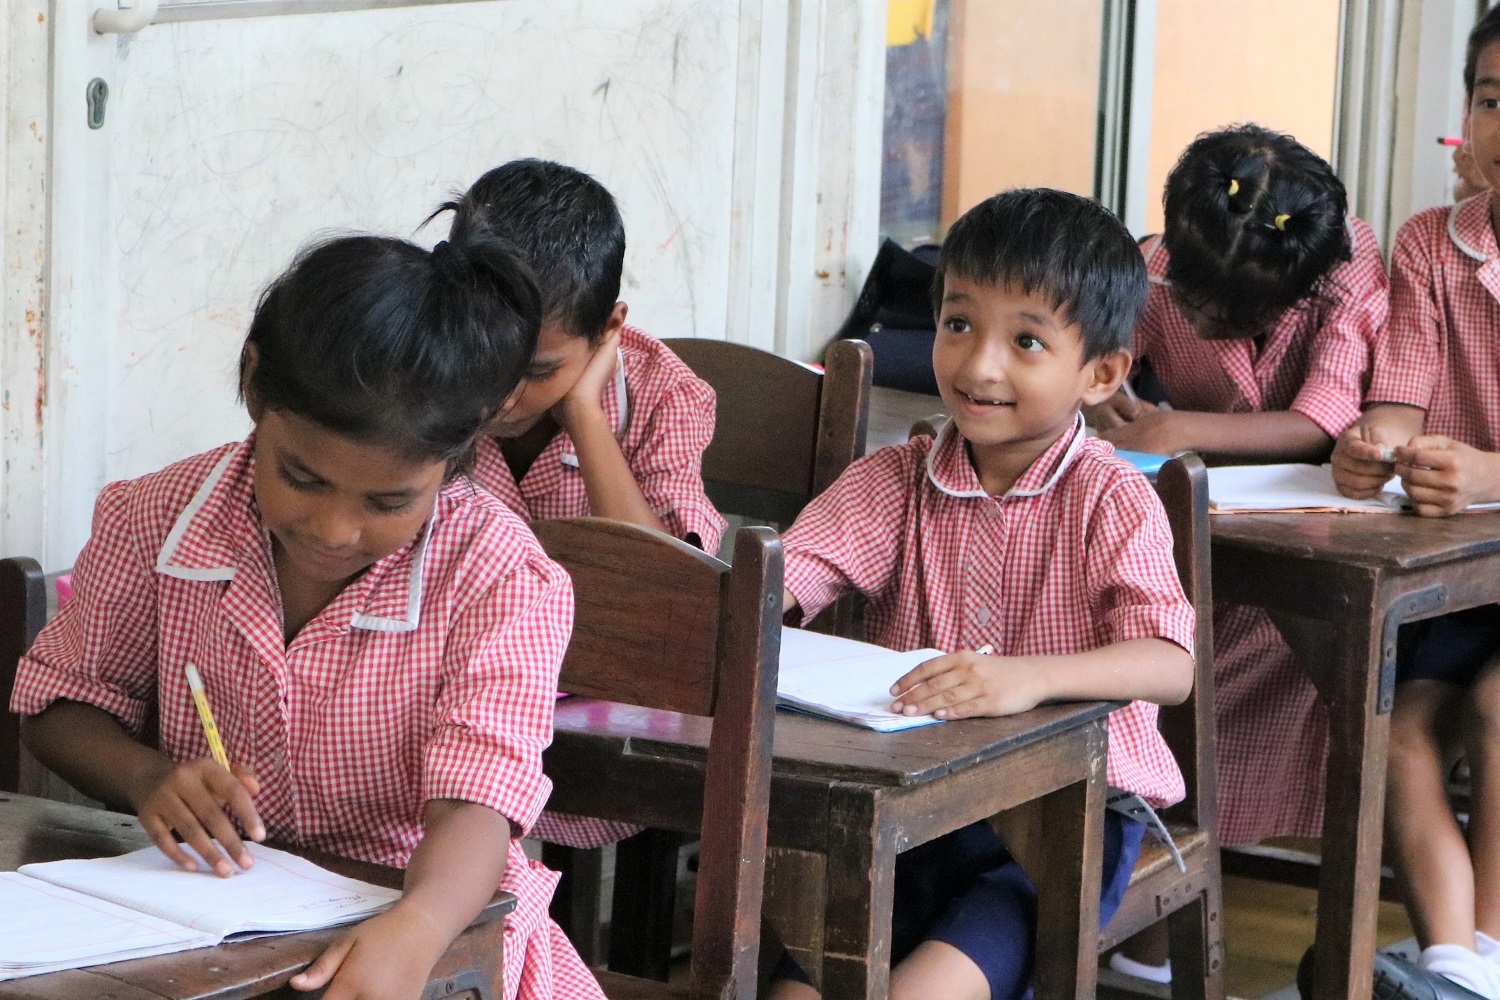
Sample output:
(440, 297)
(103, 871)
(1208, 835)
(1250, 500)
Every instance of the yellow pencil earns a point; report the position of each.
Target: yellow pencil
(206, 716)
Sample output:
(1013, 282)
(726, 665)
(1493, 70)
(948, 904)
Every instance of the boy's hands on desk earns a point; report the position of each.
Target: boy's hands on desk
(1443, 476)
(968, 683)
(1364, 456)
(1116, 411)
(197, 798)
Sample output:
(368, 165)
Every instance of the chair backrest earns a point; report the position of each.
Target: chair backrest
(663, 625)
(1182, 484)
(784, 431)
(23, 611)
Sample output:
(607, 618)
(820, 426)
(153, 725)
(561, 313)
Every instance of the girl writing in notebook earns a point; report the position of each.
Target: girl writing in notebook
(1265, 299)
(379, 639)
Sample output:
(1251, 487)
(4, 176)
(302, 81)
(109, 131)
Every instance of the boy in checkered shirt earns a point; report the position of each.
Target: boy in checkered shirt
(1432, 417)
(609, 422)
(1016, 531)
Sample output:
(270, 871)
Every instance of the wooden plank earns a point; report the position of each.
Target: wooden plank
(1391, 541)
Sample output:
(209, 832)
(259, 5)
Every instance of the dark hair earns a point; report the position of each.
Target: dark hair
(379, 340)
(564, 224)
(1255, 224)
(1066, 247)
(1485, 33)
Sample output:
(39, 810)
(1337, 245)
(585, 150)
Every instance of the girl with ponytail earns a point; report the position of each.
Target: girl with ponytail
(1265, 301)
(380, 638)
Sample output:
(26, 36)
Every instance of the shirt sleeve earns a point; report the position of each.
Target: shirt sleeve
(1409, 352)
(101, 648)
(493, 716)
(1132, 578)
(668, 465)
(849, 537)
(1334, 388)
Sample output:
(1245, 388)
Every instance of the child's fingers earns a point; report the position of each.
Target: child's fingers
(922, 671)
(233, 791)
(192, 825)
(1431, 441)
(939, 702)
(1419, 477)
(160, 832)
(1358, 450)
(317, 975)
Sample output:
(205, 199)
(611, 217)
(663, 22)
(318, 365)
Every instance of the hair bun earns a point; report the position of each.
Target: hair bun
(451, 261)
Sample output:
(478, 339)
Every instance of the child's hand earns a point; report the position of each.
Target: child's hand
(966, 684)
(584, 398)
(192, 798)
(1443, 477)
(388, 957)
(1157, 432)
(1362, 462)
(1115, 411)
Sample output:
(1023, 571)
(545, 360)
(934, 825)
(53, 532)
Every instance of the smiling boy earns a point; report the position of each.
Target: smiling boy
(1014, 530)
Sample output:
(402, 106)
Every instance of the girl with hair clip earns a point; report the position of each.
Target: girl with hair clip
(380, 639)
(1265, 301)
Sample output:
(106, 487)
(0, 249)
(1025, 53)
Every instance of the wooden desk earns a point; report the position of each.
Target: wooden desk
(859, 798)
(1339, 587)
(34, 830)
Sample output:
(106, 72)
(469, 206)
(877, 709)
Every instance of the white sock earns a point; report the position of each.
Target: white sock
(1130, 967)
(1462, 966)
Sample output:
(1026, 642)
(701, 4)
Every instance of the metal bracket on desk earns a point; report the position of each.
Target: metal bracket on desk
(467, 981)
(1417, 604)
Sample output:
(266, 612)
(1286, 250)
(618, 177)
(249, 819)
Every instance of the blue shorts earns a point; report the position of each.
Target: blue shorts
(1449, 648)
(965, 890)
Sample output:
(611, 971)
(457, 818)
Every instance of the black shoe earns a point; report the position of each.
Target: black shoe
(1395, 979)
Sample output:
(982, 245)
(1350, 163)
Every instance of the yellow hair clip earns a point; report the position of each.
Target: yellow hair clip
(1234, 186)
(1281, 221)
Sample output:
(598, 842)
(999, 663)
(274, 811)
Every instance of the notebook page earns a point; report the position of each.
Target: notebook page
(846, 680)
(280, 892)
(1284, 487)
(46, 928)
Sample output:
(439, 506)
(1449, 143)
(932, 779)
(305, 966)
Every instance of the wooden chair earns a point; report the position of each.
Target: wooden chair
(1190, 901)
(23, 611)
(662, 625)
(784, 432)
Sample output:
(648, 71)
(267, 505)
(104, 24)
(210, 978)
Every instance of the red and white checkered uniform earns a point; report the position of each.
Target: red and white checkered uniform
(1441, 350)
(1272, 740)
(431, 676)
(1315, 361)
(663, 416)
(1078, 555)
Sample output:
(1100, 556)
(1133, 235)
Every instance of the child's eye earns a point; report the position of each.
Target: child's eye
(956, 324)
(541, 374)
(390, 506)
(1490, 103)
(298, 482)
(1028, 342)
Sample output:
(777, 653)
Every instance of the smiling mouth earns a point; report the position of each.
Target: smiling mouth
(975, 400)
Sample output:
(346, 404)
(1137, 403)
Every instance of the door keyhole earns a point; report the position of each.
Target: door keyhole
(96, 94)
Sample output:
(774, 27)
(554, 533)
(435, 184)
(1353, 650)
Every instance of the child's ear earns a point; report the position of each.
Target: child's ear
(1106, 373)
(616, 318)
(249, 361)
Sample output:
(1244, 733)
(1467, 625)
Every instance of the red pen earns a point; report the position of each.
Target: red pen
(1448, 140)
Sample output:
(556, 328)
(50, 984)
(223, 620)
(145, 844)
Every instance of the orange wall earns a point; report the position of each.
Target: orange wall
(1023, 88)
(1219, 62)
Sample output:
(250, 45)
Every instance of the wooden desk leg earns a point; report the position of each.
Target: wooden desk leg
(1067, 947)
(1354, 809)
(861, 883)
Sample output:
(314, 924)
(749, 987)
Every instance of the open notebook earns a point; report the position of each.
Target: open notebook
(1261, 488)
(71, 914)
(845, 680)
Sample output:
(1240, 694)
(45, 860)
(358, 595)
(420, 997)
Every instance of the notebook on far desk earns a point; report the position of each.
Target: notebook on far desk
(845, 680)
(73, 914)
(1252, 489)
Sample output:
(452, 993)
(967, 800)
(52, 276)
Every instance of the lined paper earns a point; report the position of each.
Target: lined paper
(837, 678)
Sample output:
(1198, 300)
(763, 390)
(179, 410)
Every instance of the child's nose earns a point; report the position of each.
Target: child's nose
(336, 528)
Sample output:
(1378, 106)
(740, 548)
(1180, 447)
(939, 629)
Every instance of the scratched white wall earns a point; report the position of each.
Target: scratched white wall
(236, 139)
(741, 138)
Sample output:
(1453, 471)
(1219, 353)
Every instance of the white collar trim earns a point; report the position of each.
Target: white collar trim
(1453, 233)
(174, 537)
(1079, 436)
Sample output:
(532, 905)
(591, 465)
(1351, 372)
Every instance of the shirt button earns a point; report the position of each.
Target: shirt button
(982, 615)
